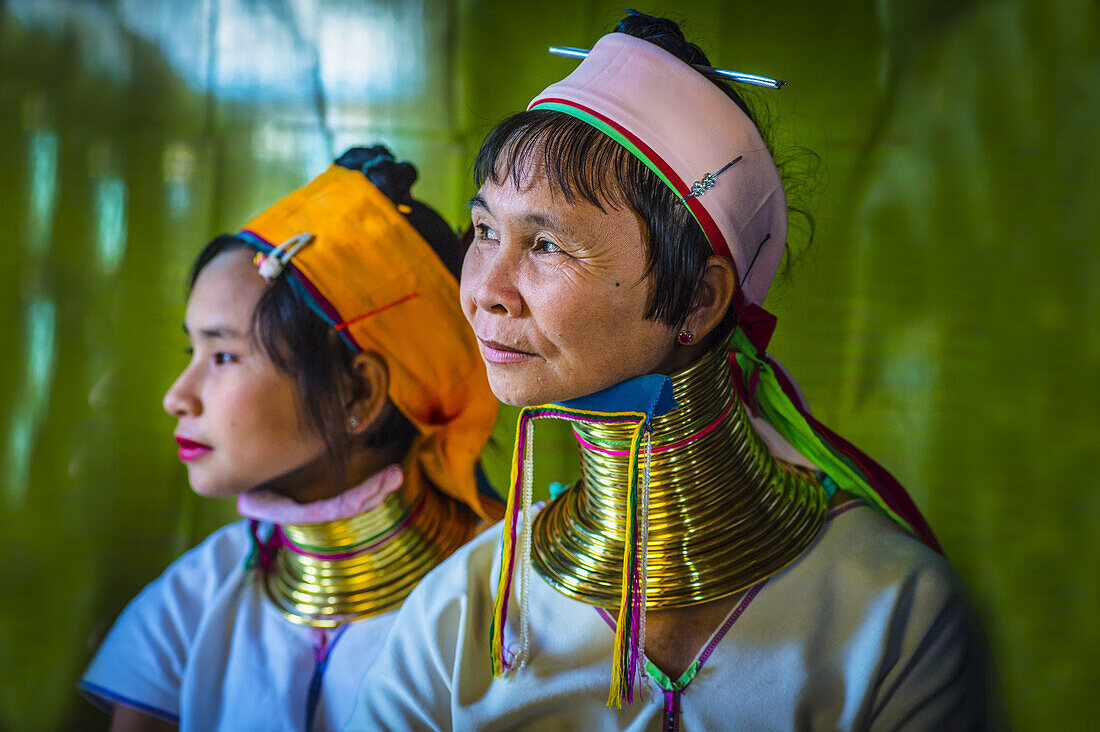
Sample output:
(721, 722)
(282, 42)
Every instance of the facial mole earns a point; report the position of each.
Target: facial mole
(616, 284)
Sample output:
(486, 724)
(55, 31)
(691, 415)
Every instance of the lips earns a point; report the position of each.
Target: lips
(498, 353)
(190, 450)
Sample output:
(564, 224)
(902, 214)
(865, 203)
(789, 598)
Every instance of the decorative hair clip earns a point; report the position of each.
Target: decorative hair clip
(737, 76)
(271, 264)
(699, 187)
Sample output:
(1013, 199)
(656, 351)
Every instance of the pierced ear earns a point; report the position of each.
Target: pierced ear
(374, 385)
(713, 298)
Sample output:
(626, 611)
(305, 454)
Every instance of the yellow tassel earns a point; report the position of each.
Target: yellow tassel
(621, 671)
(507, 555)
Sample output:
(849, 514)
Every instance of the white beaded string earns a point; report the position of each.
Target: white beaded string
(644, 538)
(525, 547)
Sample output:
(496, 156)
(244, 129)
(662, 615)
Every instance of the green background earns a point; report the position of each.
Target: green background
(944, 319)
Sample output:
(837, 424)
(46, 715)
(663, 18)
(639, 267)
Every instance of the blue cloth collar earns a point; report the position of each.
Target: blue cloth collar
(650, 394)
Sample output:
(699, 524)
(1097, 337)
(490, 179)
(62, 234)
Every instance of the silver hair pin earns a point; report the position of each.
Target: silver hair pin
(709, 180)
(737, 76)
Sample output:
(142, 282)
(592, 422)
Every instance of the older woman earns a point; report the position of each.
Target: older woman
(725, 561)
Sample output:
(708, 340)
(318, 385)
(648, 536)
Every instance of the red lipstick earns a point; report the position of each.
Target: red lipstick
(494, 352)
(190, 450)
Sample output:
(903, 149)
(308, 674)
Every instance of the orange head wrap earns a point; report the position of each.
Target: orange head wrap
(375, 279)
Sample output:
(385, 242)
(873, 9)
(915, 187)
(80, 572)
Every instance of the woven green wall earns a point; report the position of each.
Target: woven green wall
(945, 317)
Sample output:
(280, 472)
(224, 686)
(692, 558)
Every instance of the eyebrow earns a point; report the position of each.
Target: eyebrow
(538, 218)
(478, 201)
(546, 221)
(223, 332)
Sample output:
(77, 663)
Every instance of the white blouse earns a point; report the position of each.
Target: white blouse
(203, 646)
(869, 629)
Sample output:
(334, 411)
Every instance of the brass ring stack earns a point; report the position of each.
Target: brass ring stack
(334, 572)
(723, 512)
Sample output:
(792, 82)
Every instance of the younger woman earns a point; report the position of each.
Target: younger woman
(335, 388)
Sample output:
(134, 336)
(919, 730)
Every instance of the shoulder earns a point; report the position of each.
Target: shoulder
(866, 582)
(866, 553)
(450, 606)
(876, 588)
(410, 685)
(142, 659)
(223, 552)
(200, 572)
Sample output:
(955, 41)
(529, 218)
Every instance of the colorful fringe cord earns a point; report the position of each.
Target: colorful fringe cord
(630, 629)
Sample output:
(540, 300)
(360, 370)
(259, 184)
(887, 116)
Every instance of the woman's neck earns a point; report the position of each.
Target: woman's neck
(323, 478)
(723, 513)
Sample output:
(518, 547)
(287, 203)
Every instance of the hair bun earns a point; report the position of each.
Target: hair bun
(395, 179)
(667, 34)
(377, 163)
(664, 33)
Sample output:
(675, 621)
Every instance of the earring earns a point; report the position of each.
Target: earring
(353, 422)
(685, 337)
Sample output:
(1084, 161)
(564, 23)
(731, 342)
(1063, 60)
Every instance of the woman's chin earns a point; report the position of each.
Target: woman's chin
(518, 393)
(207, 488)
(205, 492)
(513, 398)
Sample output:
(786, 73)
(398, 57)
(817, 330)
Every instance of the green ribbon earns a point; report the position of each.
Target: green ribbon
(668, 684)
(781, 413)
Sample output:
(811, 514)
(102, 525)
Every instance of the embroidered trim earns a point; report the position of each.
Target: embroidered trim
(322, 651)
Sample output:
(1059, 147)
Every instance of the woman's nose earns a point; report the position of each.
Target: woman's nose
(493, 286)
(181, 399)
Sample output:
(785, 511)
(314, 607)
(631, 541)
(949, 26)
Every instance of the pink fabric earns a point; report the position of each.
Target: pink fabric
(694, 129)
(263, 505)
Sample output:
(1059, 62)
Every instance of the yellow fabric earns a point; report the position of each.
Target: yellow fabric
(367, 259)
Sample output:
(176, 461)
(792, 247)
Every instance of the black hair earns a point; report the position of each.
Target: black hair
(302, 345)
(580, 162)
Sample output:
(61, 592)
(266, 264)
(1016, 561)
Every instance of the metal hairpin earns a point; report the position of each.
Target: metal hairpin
(737, 76)
(759, 248)
(708, 181)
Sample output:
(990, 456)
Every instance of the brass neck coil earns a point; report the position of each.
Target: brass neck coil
(334, 572)
(723, 512)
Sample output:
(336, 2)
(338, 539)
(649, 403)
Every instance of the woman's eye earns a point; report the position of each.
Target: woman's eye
(221, 358)
(484, 233)
(546, 246)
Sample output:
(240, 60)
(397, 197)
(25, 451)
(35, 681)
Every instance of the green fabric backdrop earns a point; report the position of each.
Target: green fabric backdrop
(945, 318)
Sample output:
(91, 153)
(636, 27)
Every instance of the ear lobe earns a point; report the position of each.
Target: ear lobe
(713, 297)
(374, 385)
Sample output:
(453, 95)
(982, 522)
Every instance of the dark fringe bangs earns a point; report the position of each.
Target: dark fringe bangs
(580, 162)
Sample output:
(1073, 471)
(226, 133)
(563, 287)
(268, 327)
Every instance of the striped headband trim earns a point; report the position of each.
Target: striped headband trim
(649, 157)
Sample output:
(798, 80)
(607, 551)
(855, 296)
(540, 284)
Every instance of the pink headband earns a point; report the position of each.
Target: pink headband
(686, 131)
